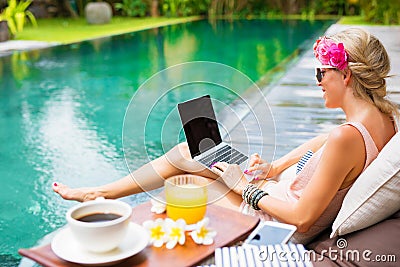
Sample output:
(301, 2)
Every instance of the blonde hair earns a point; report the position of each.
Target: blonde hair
(369, 64)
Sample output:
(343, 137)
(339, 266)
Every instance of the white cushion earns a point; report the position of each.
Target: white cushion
(375, 195)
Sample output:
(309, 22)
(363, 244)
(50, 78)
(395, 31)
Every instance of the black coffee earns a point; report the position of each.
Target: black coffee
(99, 217)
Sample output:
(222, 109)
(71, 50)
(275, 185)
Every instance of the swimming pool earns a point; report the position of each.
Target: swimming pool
(62, 108)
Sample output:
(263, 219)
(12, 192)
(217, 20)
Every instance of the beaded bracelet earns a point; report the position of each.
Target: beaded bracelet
(251, 192)
(254, 196)
(257, 199)
(246, 191)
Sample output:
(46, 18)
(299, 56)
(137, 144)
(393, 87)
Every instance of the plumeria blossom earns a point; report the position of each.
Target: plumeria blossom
(156, 231)
(157, 206)
(175, 232)
(330, 53)
(202, 234)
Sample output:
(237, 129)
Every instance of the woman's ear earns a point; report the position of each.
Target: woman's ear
(346, 77)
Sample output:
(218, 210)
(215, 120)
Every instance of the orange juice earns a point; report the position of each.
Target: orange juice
(186, 201)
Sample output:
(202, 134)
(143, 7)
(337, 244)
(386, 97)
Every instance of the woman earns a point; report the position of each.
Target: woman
(352, 77)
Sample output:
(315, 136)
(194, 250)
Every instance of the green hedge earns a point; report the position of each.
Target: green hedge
(382, 11)
(375, 11)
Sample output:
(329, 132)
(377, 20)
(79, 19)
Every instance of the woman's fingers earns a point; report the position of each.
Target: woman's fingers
(254, 159)
(216, 170)
(255, 168)
(231, 174)
(255, 155)
(220, 166)
(260, 171)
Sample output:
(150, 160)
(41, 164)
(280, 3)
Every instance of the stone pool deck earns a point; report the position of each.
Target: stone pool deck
(9, 47)
(297, 106)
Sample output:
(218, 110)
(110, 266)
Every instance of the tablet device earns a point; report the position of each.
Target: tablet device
(270, 233)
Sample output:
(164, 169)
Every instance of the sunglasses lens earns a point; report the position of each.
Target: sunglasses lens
(318, 74)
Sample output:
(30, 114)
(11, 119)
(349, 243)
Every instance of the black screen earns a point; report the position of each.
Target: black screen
(200, 125)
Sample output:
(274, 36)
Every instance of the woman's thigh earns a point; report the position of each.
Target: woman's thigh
(220, 194)
(180, 158)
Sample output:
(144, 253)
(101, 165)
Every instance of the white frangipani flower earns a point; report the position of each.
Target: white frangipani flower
(202, 234)
(157, 206)
(175, 232)
(156, 231)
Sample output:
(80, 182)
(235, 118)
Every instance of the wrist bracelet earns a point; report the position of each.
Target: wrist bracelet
(246, 191)
(254, 196)
(251, 192)
(257, 199)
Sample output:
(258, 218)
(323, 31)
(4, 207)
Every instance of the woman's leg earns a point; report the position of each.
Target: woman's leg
(221, 195)
(148, 177)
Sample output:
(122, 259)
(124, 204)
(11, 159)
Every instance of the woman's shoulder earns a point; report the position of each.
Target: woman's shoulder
(347, 144)
(346, 147)
(347, 134)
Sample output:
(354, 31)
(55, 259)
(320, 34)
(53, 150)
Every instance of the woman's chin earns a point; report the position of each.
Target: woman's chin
(329, 105)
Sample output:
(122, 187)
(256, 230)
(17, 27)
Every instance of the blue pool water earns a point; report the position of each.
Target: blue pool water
(62, 109)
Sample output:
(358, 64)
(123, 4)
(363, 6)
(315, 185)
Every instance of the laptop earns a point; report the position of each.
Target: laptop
(203, 136)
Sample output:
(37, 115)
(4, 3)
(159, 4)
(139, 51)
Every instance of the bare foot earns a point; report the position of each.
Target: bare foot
(77, 194)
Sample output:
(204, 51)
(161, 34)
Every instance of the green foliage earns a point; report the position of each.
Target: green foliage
(330, 7)
(269, 8)
(373, 11)
(179, 8)
(133, 8)
(16, 13)
(324, 7)
(383, 11)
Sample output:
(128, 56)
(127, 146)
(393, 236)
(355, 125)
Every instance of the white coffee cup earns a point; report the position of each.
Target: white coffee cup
(108, 223)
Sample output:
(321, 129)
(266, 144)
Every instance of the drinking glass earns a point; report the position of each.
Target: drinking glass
(186, 197)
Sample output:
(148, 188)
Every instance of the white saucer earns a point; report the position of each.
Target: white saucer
(65, 247)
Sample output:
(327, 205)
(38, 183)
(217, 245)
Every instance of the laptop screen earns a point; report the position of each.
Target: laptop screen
(200, 125)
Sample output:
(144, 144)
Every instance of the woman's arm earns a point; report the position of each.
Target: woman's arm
(278, 166)
(343, 158)
(294, 156)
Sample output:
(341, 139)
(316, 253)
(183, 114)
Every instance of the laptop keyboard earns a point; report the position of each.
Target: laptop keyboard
(224, 154)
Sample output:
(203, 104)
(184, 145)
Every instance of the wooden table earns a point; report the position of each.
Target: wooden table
(231, 227)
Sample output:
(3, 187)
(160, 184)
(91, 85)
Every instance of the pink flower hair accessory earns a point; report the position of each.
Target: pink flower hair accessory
(330, 53)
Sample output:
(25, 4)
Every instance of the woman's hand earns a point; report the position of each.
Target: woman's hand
(232, 175)
(255, 159)
(259, 167)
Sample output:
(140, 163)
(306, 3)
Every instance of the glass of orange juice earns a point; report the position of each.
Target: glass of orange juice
(186, 197)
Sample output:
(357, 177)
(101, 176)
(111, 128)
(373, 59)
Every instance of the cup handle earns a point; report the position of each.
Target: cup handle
(100, 198)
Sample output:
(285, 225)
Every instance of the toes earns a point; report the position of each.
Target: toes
(56, 186)
(62, 190)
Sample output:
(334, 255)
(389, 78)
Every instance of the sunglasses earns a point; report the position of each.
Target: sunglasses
(320, 72)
